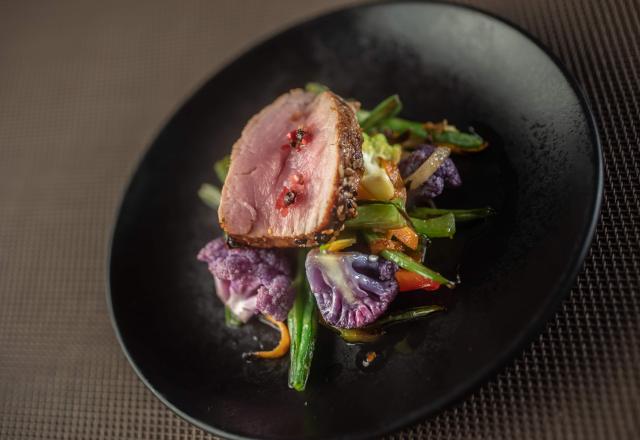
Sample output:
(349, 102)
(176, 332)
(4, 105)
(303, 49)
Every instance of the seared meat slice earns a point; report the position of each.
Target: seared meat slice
(294, 172)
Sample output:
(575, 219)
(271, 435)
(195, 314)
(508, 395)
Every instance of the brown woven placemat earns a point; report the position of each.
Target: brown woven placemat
(84, 86)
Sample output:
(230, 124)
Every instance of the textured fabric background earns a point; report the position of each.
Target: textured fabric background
(84, 86)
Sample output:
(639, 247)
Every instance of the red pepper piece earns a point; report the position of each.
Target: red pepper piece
(412, 281)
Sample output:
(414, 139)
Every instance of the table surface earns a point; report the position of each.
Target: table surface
(85, 86)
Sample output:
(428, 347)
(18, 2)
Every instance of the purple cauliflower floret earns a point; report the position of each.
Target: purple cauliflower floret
(352, 289)
(250, 280)
(445, 176)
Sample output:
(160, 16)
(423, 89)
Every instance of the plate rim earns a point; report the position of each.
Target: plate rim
(482, 376)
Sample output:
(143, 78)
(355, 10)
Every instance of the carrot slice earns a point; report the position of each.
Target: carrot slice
(283, 345)
(406, 235)
(383, 243)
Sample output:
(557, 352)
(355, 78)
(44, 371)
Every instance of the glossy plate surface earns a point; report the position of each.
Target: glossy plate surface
(542, 173)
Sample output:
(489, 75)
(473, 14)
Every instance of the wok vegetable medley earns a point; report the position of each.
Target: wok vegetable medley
(373, 228)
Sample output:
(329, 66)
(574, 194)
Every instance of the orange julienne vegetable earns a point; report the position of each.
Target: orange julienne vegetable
(412, 281)
(406, 235)
(283, 345)
(384, 243)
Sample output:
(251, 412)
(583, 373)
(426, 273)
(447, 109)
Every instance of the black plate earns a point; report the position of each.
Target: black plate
(543, 174)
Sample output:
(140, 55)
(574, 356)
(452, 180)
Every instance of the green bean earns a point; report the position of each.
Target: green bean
(411, 265)
(461, 215)
(437, 227)
(377, 216)
(294, 322)
(302, 322)
(307, 341)
(406, 262)
(210, 195)
(230, 319)
(399, 125)
(400, 204)
(464, 141)
(407, 315)
(221, 168)
(386, 109)
(468, 141)
(459, 139)
(294, 319)
(372, 332)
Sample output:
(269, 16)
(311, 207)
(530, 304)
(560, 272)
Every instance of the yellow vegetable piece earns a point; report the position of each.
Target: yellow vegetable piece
(378, 185)
(338, 245)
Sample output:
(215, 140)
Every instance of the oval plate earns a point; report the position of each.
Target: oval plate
(542, 173)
